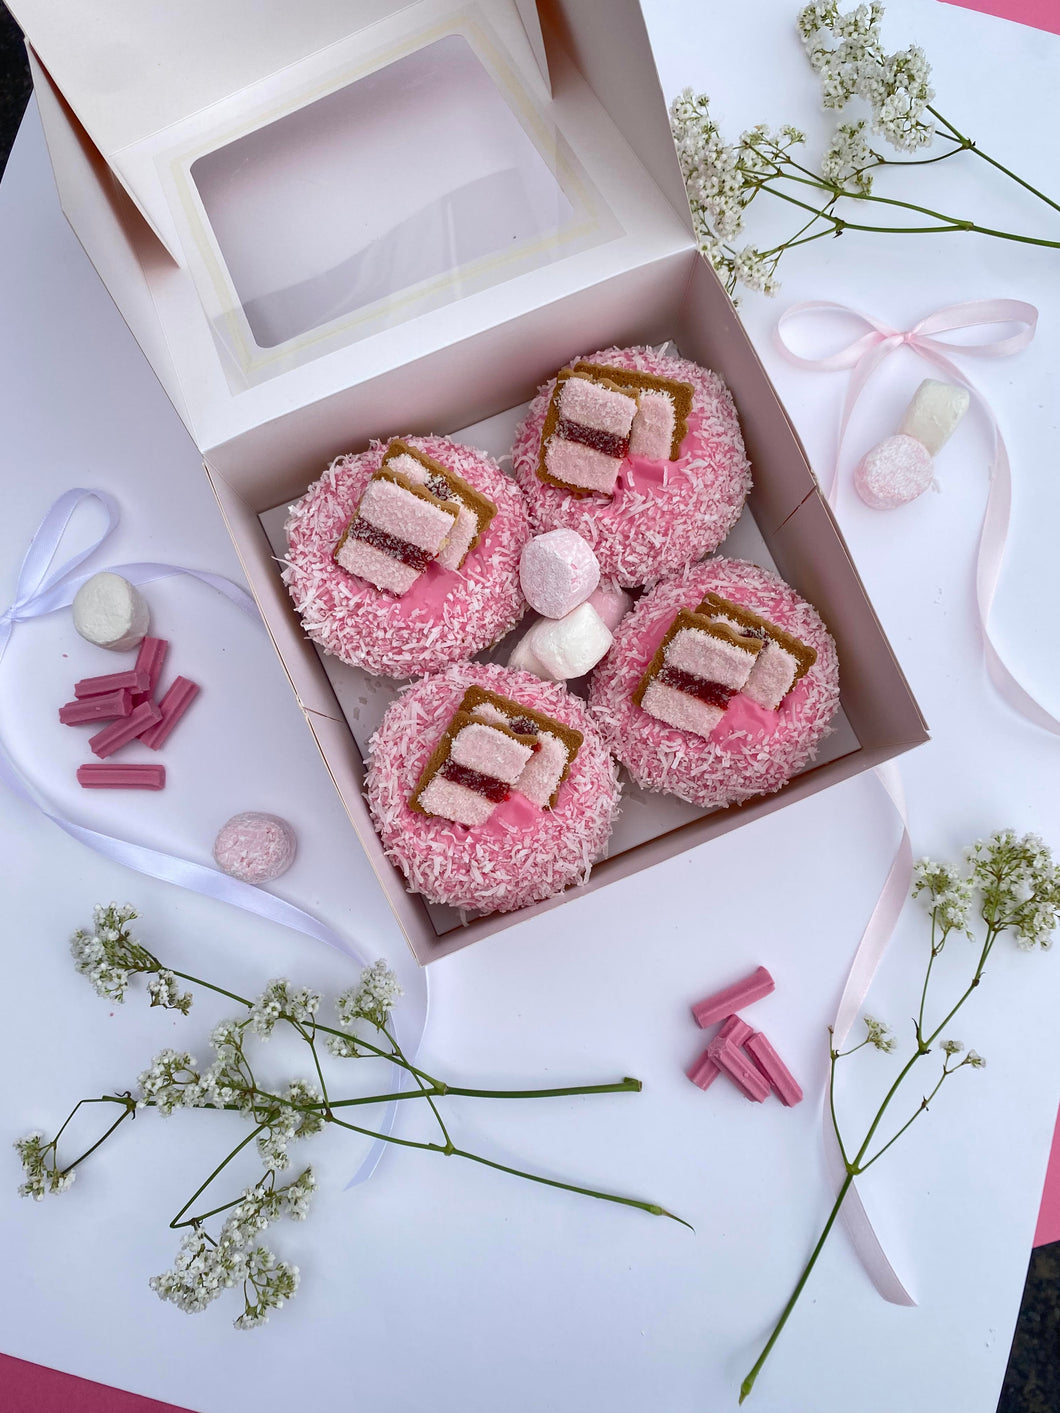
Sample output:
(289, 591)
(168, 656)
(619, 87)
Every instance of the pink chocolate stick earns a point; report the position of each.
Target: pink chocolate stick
(171, 708)
(724, 1003)
(121, 777)
(703, 1071)
(149, 660)
(783, 1083)
(102, 708)
(111, 682)
(734, 1032)
(119, 733)
(742, 1073)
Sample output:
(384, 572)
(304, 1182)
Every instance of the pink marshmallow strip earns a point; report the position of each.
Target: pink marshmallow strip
(149, 660)
(724, 1003)
(703, 1071)
(121, 777)
(171, 708)
(102, 708)
(135, 680)
(119, 733)
(740, 1070)
(781, 1080)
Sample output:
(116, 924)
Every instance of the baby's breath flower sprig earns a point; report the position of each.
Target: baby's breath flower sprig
(205, 1266)
(846, 52)
(1009, 884)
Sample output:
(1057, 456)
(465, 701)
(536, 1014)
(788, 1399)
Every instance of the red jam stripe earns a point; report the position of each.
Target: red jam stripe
(121, 777)
(101, 708)
(112, 682)
(411, 555)
(711, 692)
(494, 790)
(607, 442)
(170, 709)
(119, 733)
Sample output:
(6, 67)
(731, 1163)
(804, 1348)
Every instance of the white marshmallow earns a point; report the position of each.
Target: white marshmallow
(557, 572)
(111, 612)
(561, 648)
(934, 413)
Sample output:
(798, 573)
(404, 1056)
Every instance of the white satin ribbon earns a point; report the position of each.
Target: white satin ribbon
(865, 354)
(40, 590)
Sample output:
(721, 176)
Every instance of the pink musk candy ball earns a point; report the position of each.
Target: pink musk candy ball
(894, 473)
(557, 572)
(255, 847)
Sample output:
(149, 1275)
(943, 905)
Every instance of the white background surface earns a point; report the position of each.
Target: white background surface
(442, 1284)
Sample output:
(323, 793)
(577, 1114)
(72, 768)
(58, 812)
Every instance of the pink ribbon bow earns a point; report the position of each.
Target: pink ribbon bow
(865, 354)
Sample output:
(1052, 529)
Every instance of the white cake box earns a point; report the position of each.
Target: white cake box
(350, 219)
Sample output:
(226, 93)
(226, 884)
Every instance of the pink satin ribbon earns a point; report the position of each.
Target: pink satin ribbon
(865, 354)
(862, 357)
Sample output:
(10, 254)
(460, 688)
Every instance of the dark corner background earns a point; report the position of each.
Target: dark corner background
(1032, 1381)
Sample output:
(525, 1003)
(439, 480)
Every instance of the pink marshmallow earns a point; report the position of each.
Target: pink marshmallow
(894, 473)
(680, 710)
(542, 772)
(723, 1003)
(557, 572)
(611, 603)
(652, 433)
(449, 800)
(360, 558)
(782, 1081)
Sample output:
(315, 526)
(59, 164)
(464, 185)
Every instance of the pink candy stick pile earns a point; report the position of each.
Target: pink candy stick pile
(127, 701)
(743, 1054)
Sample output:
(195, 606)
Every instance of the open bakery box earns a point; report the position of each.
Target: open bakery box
(350, 219)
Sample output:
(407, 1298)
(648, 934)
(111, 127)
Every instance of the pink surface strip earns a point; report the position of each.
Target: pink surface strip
(121, 777)
(781, 1080)
(149, 660)
(1037, 14)
(171, 708)
(740, 1070)
(48, 1391)
(703, 1071)
(111, 682)
(119, 733)
(742, 993)
(735, 1031)
(101, 708)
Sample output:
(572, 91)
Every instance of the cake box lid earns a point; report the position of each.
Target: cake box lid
(332, 188)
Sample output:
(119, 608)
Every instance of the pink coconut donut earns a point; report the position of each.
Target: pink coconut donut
(663, 514)
(446, 615)
(752, 751)
(523, 853)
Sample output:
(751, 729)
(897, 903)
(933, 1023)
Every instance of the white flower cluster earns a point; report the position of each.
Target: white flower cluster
(846, 52)
(291, 1122)
(951, 894)
(879, 1035)
(164, 991)
(108, 956)
(205, 1268)
(280, 998)
(848, 157)
(372, 999)
(169, 1082)
(1020, 885)
(38, 1165)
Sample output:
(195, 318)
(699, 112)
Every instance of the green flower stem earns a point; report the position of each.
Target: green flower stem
(970, 146)
(176, 1223)
(920, 1109)
(622, 1086)
(858, 1164)
(840, 224)
(129, 1111)
(652, 1208)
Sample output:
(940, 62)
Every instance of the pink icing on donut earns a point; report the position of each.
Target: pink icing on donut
(523, 853)
(446, 615)
(663, 514)
(751, 751)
